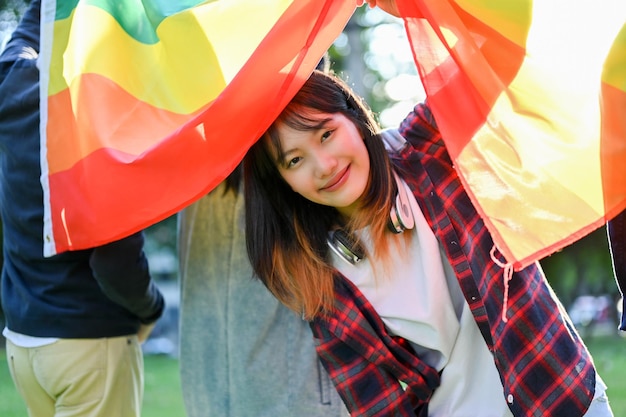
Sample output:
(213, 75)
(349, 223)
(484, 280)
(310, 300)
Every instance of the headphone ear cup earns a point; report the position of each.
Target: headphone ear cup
(401, 216)
(346, 246)
(395, 222)
(405, 215)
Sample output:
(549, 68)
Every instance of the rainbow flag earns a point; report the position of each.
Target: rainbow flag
(147, 105)
(530, 97)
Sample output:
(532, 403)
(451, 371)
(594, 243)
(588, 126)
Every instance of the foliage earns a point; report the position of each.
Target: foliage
(14, 6)
(609, 354)
(10, 12)
(373, 55)
(582, 268)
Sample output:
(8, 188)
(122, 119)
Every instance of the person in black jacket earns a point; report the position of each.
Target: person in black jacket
(74, 321)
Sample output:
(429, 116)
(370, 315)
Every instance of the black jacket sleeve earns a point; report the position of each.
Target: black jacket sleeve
(121, 268)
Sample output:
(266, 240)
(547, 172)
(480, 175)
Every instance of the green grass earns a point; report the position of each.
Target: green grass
(163, 396)
(609, 354)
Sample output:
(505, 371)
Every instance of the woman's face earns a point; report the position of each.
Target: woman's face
(329, 165)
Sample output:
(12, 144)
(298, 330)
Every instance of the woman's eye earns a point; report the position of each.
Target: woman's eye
(292, 162)
(326, 135)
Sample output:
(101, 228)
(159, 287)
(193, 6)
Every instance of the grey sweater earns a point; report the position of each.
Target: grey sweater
(242, 353)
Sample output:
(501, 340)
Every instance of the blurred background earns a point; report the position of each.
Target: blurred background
(373, 56)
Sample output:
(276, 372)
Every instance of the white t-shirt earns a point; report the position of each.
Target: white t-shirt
(420, 300)
(23, 340)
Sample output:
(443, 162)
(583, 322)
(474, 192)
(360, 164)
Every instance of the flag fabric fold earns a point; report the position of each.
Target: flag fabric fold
(147, 105)
(530, 97)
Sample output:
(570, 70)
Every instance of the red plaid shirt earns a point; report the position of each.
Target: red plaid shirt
(543, 364)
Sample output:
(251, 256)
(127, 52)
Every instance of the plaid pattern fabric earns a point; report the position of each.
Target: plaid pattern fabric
(367, 365)
(544, 366)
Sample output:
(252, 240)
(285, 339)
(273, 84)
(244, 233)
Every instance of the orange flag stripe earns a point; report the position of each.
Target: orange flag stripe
(613, 149)
(105, 129)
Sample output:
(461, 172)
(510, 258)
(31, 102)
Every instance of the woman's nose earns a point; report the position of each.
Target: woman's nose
(325, 164)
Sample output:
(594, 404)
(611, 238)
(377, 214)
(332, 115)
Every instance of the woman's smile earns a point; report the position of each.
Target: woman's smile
(337, 180)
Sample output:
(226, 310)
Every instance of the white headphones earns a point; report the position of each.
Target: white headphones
(400, 219)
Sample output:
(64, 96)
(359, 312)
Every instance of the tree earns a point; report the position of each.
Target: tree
(373, 56)
(583, 268)
(10, 13)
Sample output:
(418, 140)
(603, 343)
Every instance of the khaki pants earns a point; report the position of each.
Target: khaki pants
(80, 377)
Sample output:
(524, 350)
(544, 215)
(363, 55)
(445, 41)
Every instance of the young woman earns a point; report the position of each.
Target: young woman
(397, 274)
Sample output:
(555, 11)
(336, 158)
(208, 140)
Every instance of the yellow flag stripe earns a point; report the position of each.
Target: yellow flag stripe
(180, 75)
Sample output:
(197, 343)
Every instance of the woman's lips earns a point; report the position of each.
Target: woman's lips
(337, 181)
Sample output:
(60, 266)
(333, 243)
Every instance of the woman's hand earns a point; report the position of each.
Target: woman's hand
(387, 5)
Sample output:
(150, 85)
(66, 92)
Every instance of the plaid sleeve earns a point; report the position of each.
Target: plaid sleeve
(365, 388)
(420, 126)
(375, 374)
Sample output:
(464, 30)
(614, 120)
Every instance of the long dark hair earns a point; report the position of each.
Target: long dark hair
(286, 233)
